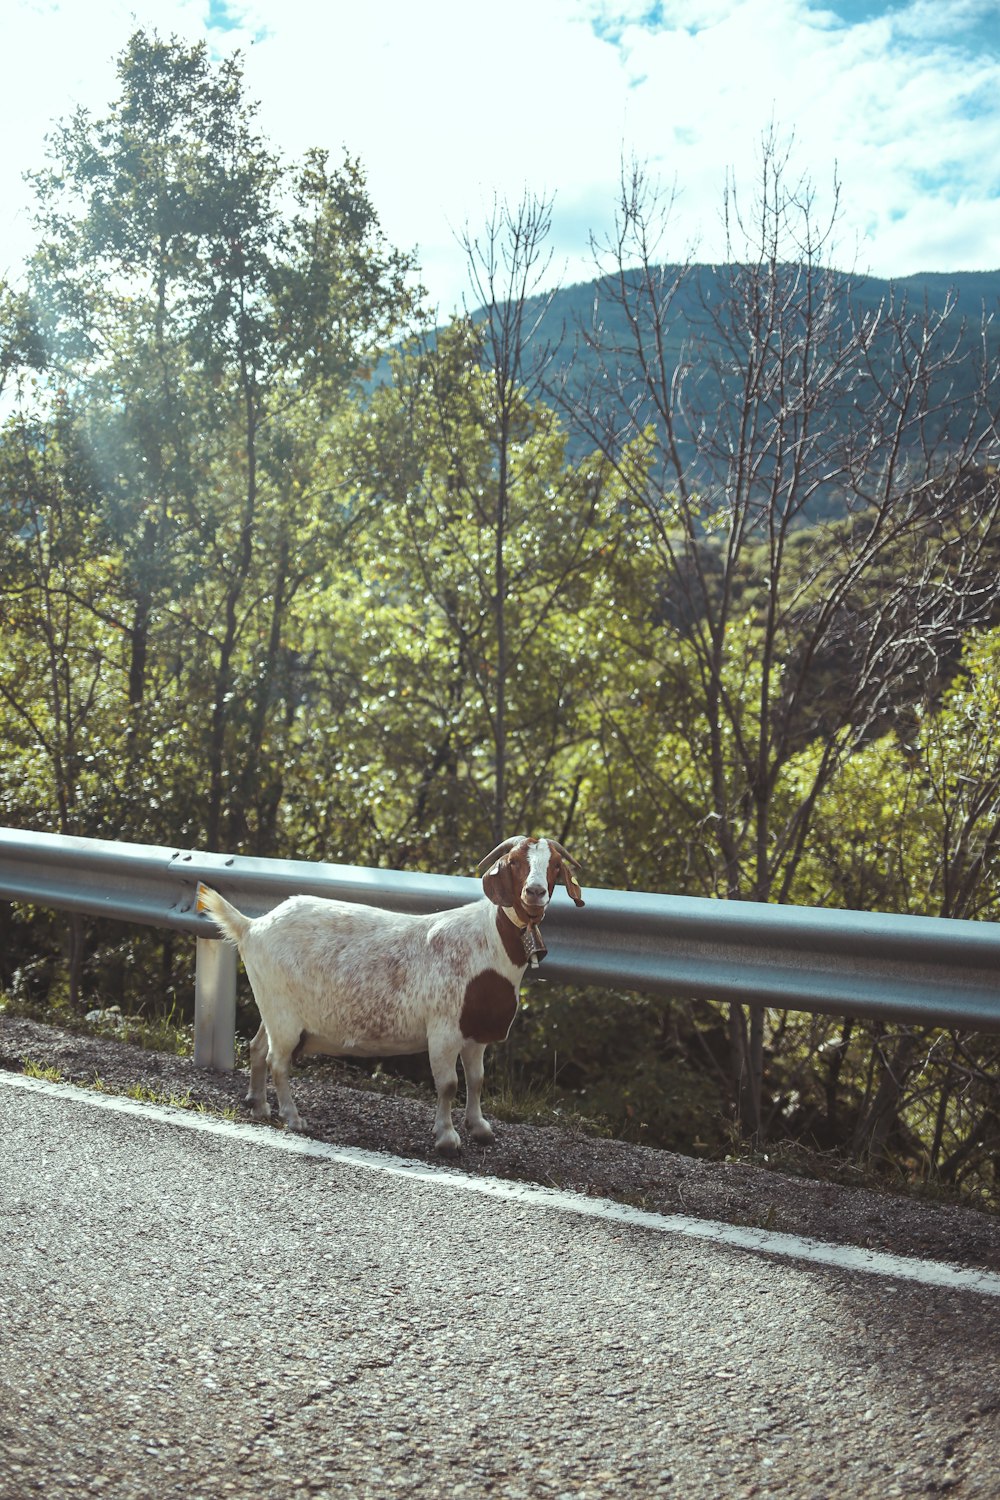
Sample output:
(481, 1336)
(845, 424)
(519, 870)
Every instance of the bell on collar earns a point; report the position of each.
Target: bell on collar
(534, 949)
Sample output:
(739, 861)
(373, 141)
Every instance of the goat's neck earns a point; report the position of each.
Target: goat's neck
(511, 929)
(524, 943)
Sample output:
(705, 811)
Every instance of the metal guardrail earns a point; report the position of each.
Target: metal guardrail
(928, 970)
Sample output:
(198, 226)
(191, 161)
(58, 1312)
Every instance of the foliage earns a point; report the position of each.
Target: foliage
(204, 337)
(728, 446)
(427, 659)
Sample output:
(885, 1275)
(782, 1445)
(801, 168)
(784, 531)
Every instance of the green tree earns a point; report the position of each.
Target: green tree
(206, 336)
(787, 393)
(419, 687)
(63, 665)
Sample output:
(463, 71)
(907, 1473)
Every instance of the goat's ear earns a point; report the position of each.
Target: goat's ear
(498, 883)
(571, 883)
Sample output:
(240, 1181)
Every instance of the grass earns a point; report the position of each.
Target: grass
(186, 1100)
(529, 1103)
(516, 1102)
(142, 1094)
(540, 1105)
(168, 1033)
(33, 1069)
(799, 1159)
(138, 1091)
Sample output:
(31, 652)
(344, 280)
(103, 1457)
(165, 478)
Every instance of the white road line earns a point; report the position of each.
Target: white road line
(762, 1241)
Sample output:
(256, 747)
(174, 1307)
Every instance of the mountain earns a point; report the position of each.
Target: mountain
(584, 332)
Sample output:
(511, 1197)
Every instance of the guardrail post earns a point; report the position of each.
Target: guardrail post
(215, 1005)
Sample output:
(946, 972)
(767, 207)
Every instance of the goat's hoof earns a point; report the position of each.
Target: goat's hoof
(449, 1144)
(482, 1133)
(258, 1109)
(295, 1122)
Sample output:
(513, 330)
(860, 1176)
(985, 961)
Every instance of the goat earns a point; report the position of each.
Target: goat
(351, 980)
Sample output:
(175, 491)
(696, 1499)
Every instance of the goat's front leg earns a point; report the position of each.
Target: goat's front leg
(257, 1092)
(443, 1057)
(478, 1126)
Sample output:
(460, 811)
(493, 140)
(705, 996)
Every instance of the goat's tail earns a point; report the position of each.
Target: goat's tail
(233, 923)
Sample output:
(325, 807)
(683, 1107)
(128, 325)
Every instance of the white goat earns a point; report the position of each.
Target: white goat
(349, 980)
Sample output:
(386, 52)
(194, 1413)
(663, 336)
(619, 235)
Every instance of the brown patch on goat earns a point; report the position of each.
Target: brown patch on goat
(489, 1007)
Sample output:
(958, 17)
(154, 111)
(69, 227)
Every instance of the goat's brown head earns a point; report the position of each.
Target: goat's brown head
(523, 872)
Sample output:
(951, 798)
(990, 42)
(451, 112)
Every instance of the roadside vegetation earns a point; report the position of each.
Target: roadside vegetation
(702, 583)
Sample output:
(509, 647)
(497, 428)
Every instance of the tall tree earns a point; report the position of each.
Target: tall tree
(204, 333)
(507, 264)
(786, 401)
(435, 652)
(62, 668)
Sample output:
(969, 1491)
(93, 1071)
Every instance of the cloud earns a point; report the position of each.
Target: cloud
(449, 105)
(449, 108)
(910, 126)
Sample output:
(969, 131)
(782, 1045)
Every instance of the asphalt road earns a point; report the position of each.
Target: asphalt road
(189, 1312)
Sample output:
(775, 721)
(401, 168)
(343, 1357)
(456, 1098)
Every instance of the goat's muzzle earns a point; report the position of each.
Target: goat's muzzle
(535, 900)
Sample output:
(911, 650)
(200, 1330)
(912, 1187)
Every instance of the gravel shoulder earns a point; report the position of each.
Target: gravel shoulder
(661, 1181)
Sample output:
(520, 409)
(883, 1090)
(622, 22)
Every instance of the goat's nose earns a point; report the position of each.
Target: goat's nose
(536, 890)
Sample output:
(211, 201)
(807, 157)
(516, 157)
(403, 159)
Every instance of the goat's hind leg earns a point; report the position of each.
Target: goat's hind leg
(257, 1092)
(275, 1054)
(280, 1061)
(284, 1049)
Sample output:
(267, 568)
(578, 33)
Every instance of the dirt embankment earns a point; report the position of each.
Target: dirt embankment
(570, 1159)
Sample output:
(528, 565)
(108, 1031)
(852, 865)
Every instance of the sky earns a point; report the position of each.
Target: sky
(455, 105)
